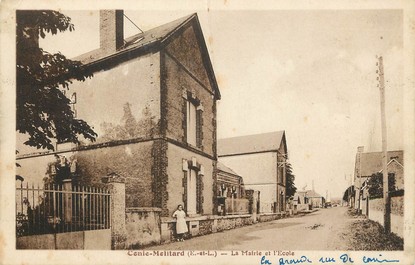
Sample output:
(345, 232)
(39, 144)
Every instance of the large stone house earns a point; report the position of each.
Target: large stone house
(152, 101)
(260, 159)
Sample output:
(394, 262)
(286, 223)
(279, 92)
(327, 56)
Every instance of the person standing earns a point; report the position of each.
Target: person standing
(181, 226)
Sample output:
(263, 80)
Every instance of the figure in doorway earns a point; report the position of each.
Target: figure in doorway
(181, 226)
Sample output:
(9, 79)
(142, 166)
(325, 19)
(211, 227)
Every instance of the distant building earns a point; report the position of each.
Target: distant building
(370, 163)
(308, 199)
(301, 202)
(260, 159)
(229, 183)
(230, 191)
(315, 199)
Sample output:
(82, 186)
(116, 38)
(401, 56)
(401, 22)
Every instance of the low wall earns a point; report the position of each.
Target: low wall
(204, 225)
(376, 212)
(143, 226)
(302, 207)
(231, 222)
(88, 240)
(266, 217)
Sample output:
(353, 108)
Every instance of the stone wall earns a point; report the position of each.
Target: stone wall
(175, 185)
(376, 214)
(178, 82)
(204, 225)
(142, 226)
(83, 240)
(270, 217)
(231, 222)
(397, 205)
(132, 161)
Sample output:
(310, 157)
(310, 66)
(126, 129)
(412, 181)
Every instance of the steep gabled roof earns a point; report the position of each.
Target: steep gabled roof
(390, 162)
(312, 194)
(149, 41)
(251, 143)
(141, 40)
(226, 169)
(371, 162)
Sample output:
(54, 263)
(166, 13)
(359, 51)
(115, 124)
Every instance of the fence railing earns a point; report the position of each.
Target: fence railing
(61, 208)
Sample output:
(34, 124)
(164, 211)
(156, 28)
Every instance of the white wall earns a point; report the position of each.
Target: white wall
(102, 97)
(256, 169)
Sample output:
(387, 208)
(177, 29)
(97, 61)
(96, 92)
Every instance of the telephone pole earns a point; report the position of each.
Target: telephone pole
(386, 199)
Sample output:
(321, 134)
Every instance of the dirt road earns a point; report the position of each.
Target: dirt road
(321, 230)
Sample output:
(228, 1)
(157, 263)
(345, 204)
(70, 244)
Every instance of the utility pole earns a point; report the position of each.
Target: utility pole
(386, 199)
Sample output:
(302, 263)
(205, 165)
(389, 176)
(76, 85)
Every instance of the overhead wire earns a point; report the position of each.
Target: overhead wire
(133, 23)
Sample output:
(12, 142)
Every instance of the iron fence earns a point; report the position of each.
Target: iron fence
(61, 208)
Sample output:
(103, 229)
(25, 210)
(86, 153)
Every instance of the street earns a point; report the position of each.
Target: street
(320, 230)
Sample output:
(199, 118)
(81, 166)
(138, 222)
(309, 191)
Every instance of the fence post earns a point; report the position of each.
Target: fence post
(116, 186)
(67, 201)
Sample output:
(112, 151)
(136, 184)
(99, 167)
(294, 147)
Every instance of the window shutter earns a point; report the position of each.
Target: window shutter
(184, 122)
(199, 128)
(184, 187)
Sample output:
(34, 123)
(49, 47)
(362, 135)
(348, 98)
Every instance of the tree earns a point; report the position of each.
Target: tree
(129, 127)
(290, 186)
(375, 184)
(43, 110)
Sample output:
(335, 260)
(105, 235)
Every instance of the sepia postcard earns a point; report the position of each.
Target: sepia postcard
(207, 132)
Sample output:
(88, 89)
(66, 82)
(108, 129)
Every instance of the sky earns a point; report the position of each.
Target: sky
(311, 73)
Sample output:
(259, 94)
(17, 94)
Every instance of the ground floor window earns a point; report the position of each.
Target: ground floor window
(191, 191)
(193, 186)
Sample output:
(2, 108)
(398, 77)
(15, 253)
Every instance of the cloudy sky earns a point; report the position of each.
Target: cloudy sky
(310, 73)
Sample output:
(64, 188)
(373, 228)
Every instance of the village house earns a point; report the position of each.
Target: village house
(260, 159)
(152, 101)
(315, 199)
(300, 202)
(372, 205)
(308, 199)
(369, 163)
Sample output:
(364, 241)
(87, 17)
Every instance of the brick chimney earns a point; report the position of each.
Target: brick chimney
(111, 24)
(360, 149)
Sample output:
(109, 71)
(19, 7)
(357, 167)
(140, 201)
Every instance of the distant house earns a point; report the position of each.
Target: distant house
(348, 196)
(369, 163)
(307, 200)
(315, 199)
(229, 183)
(152, 101)
(300, 201)
(230, 191)
(260, 159)
(369, 204)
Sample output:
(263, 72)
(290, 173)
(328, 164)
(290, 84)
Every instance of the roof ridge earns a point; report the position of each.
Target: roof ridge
(257, 134)
(131, 41)
(372, 152)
